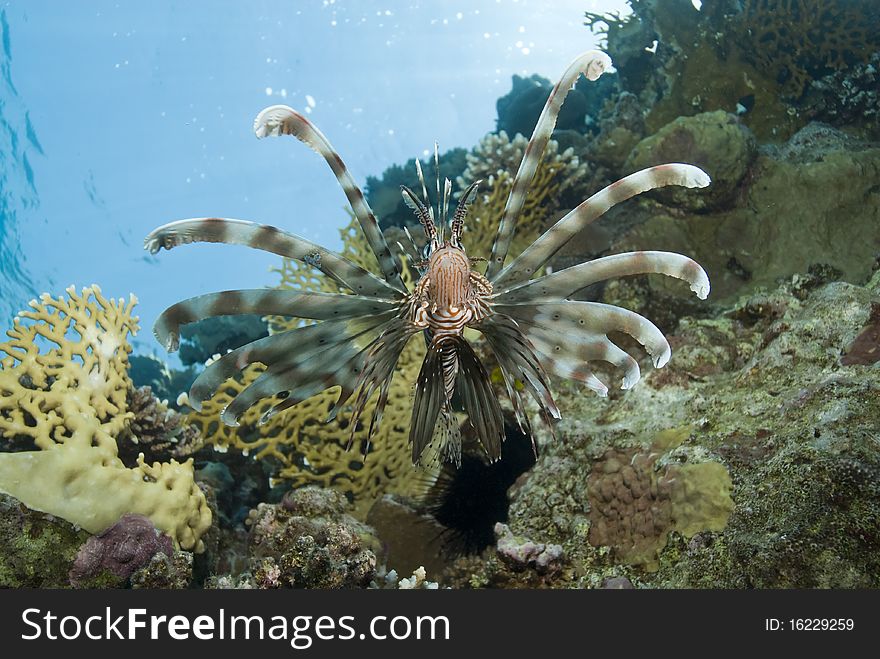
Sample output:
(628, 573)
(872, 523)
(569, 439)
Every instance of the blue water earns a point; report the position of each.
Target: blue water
(121, 116)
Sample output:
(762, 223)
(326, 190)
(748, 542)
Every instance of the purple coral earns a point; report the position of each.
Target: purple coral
(521, 553)
(119, 550)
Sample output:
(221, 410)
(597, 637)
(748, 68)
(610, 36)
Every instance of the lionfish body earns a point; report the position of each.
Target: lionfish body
(529, 322)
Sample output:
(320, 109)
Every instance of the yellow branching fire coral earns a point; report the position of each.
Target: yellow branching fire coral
(309, 450)
(64, 386)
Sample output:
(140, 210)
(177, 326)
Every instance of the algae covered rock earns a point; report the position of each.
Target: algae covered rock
(310, 541)
(767, 430)
(717, 142)
(36, 549)
(813, 201)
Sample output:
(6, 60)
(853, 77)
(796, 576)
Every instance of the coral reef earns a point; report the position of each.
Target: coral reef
(70, 402)
(495, 161)
(810, 201)
(166, 571)
(36, 549)
(849, 98)
(755, 57)
(633, 506)
(521, 553)
(310, 541)
(761, 392)
(119, 550)
(519, 109)
(308, 449)
(714, 141)
(155, 430)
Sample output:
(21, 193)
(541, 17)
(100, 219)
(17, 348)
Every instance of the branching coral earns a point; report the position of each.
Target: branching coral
(70, 400)
(796, 41)
(494, 161)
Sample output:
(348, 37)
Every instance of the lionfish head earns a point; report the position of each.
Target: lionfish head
(434, 223)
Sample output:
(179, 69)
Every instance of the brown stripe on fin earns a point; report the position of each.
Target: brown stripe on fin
(565, 283)
(297, 304)
(271, 239)
(283, 120)
(592, 64)
(551, 241)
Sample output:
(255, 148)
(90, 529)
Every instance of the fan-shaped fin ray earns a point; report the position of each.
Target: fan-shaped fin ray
(430, 396)
(567, 282)
(564, 344)
(287, 348)
(552, 240)
(592, 64)
(274, 240)
(479, 399)
(284, 120)
(264, 301)
(518, 361)
(380, 360)
(570, 317)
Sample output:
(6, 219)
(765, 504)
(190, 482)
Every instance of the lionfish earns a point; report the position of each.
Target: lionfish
(527, 319)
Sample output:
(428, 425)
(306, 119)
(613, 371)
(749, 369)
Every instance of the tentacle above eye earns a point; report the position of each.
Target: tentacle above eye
(284, 120)
(570, 317)
(592, 64)
(564, 283)
(270, 239)
(297, 304)
(552, 240)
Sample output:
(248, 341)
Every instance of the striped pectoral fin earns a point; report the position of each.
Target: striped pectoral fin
(271, 239)
(567, 353)
(565, 283)
(518, 361)
(283, 120)
(430, 397)
(479, 399)
(569, 334)
(592, 64)
(380, 360)
(551, 241)
(296, 380)
(316, 306)
(290, 347)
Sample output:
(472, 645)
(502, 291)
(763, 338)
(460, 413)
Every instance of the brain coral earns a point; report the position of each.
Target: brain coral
(64, 389)
(634, 504)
